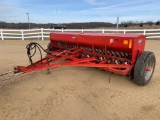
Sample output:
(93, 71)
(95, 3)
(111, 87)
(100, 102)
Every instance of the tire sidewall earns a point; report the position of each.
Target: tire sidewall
(140, 68)
(144, 81)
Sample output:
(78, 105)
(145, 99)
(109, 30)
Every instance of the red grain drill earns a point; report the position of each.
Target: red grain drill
(118, 53)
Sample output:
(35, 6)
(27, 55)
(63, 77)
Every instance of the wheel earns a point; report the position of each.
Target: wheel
(144, 68)
(50, 48)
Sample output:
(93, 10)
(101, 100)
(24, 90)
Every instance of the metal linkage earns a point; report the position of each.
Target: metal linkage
(110, 56)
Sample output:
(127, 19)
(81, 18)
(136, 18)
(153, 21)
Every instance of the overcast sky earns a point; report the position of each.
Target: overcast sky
(65, 11)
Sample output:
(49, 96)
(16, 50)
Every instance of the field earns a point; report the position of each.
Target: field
(74, 93)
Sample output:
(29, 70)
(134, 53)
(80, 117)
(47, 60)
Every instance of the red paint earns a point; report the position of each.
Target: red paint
(112, 52)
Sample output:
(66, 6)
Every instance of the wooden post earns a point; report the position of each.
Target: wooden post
(22, 35)
(82, 31)
(102, 30)
(2, 35)
(144, 33)
(42, 34)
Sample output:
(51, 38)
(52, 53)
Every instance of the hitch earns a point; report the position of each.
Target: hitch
(9, 75)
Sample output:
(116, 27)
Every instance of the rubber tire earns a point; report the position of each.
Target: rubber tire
(140, 68)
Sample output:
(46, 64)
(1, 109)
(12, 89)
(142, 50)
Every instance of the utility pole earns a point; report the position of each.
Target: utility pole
(117, 22)
(28, 20)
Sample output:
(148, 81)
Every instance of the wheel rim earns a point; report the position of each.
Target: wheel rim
(149, 69)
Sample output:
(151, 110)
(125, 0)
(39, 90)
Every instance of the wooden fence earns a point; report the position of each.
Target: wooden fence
(7, 34)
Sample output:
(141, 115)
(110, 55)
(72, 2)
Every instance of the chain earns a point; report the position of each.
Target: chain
(8, 77)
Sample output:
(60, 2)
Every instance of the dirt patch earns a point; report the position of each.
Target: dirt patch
(74, 93)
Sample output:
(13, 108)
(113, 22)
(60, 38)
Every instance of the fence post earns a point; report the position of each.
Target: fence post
(62, 30)
(124, 32)
(82, 31)
(2, 34)
(102, 30)
(38, 36)
(22, 35)
(42, 34)
(144, 33)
